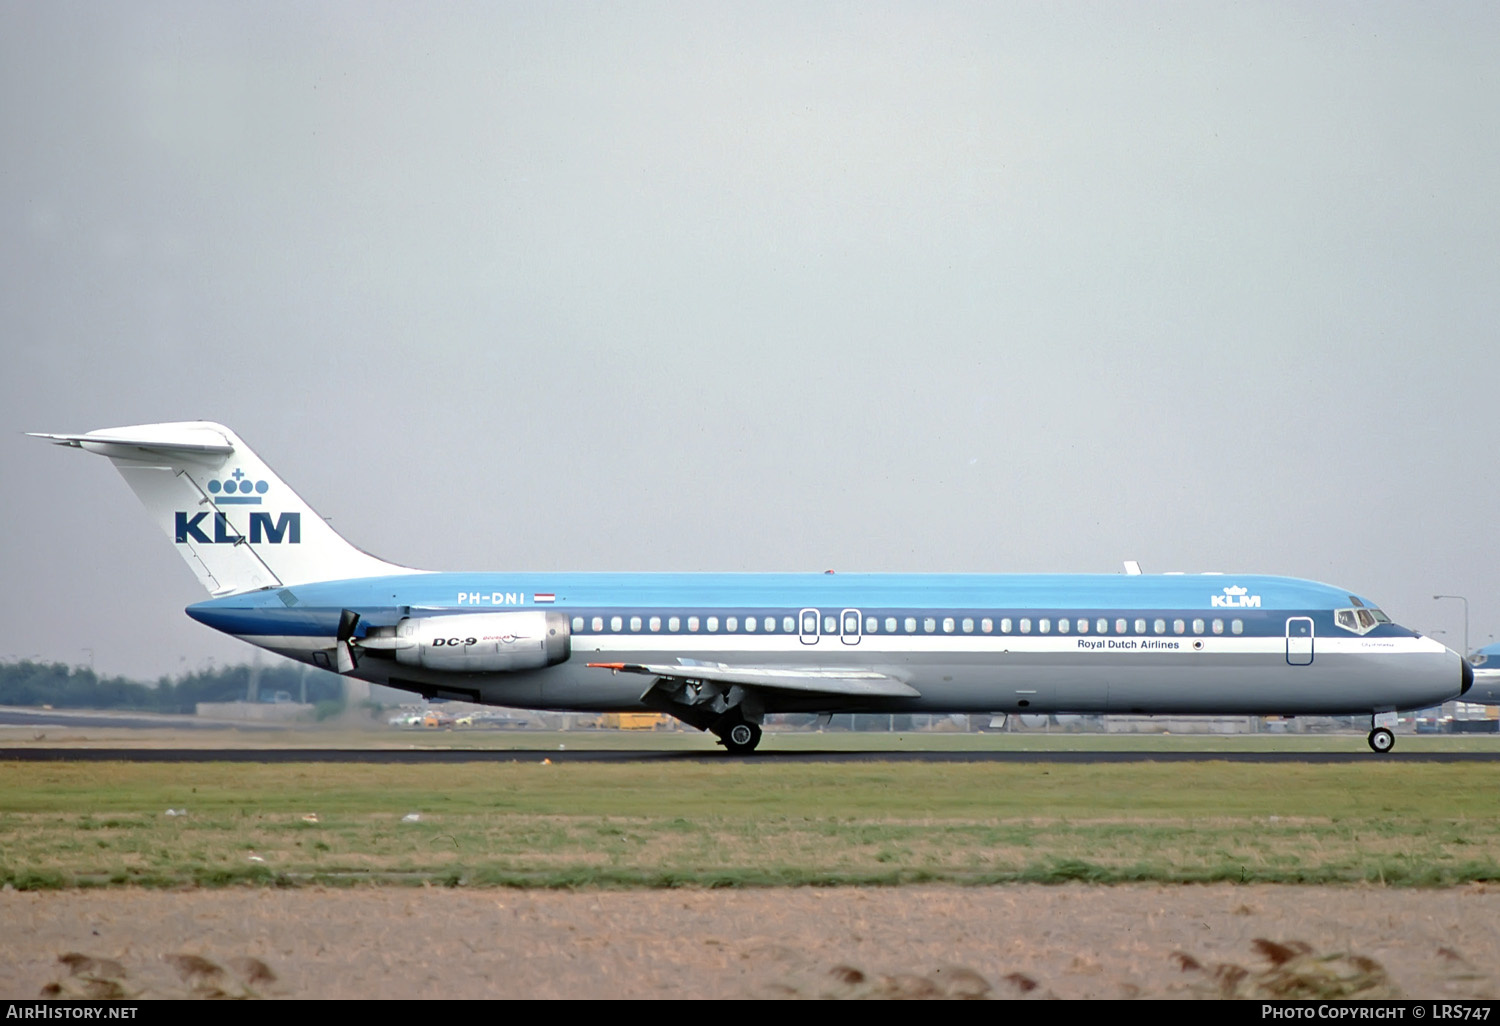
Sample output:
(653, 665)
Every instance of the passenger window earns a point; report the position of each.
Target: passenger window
(674, 624)
(1005, 625)
(750, 624)
(987, 625)
(598, 623)
(1101, 626)
(1062, 626)
(1179, 627)
(635, 623)
(655, 624)
(1140, 626)
(872, 624)
(1218, 626)
(1025, 626)
(911, 625)
(712, 624)
(1237, 626)
(968, 625)
(1120, 627)
(1044, 625)
(616, 624)
(947, 625)
(1083, 626)
(731, 624)
(929, 624)
(770, 625)
(692, 623)
(890, 625)
(577, 623)
(1197, 626)
(789, 625)
(830, 625)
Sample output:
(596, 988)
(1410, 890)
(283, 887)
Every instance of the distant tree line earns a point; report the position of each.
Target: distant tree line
(27, 683)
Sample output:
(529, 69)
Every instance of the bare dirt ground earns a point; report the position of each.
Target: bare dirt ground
(1074, 941)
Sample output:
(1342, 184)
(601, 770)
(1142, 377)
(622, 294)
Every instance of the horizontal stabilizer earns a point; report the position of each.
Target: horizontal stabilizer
(144, 443)
(831, 681)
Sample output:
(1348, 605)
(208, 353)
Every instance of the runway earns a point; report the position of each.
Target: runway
(13, 716)
(443, 756)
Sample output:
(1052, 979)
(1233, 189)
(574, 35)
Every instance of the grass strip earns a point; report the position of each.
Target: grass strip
(745, 824)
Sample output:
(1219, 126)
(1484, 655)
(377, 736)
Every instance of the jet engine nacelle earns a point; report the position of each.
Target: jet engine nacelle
(483, 642)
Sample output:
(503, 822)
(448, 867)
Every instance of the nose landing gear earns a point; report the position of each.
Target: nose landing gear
(1381, 740)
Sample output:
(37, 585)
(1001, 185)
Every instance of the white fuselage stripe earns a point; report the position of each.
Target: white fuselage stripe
(832, 647)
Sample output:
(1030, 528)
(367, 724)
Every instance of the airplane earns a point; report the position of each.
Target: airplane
(1486, 663)
(721, 652)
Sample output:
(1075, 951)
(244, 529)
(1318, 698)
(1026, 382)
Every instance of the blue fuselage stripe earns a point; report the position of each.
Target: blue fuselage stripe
(1260, 605)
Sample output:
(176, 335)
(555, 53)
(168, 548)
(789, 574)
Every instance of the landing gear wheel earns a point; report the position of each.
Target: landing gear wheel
(741, 738)
(1382, 740)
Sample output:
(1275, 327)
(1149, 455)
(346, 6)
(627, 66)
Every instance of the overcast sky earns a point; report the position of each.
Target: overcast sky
(757, 286)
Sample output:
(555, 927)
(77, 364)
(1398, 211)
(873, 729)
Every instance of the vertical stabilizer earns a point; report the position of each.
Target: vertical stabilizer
(237, 524)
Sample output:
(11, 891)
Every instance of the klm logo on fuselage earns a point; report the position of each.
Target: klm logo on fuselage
(285, 529)
(1234, 597)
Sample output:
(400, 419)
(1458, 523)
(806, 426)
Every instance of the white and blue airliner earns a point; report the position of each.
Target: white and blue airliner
(1486, 663)
(722, 651)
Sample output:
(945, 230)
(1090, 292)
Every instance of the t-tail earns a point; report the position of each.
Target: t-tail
(239, 527)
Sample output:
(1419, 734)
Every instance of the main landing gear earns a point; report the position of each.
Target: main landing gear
(740, 737)
(730, 712)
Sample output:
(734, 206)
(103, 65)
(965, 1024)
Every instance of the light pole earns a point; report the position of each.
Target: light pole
(1465, 601)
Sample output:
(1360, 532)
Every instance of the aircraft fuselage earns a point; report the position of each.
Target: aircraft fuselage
(1181, 644)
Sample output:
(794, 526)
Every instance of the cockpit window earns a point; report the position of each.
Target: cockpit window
(1360, 620)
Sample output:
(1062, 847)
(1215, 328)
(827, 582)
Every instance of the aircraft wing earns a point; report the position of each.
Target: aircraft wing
(821, 681)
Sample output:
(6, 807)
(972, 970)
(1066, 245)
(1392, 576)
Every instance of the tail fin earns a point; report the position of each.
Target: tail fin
(235, 522)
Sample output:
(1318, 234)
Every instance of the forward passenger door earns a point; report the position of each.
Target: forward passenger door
(1299, 640)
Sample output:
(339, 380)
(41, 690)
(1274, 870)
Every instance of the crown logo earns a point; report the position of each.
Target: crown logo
(1235, 589)
(238, 489)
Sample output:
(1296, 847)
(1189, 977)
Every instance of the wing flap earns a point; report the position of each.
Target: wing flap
(819, 680)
